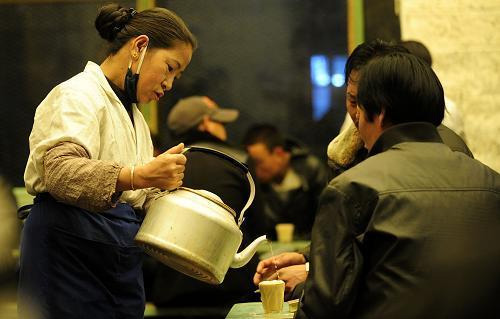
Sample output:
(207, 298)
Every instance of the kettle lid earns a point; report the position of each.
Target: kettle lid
(211, 197)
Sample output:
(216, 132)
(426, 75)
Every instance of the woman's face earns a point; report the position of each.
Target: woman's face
(160, 68)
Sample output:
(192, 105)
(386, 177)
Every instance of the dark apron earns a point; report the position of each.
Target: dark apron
(79, 264)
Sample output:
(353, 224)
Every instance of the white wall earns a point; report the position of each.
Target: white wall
(464, 39)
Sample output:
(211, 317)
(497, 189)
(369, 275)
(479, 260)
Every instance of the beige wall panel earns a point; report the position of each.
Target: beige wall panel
(464, 39)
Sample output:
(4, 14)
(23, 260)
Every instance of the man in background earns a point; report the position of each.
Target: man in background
(290, 178)
(199, 121)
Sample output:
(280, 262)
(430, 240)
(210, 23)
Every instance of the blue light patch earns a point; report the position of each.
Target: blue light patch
(320, 75)
(338, 65)
(321, 101)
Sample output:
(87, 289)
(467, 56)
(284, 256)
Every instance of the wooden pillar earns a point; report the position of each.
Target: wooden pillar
(355, 24)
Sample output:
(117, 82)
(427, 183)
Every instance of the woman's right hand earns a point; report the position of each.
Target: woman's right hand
(166, 171)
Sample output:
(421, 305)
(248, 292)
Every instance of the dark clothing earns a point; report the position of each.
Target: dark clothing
(204, 139)
(221, 177)
(79, 264)
(406, 234)
(449, 137)
(301, 204)
(453, 140)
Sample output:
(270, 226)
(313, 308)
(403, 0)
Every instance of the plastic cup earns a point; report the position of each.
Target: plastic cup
(284, 232)
(272, 294)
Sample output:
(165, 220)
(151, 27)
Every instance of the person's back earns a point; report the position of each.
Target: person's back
(425, 242)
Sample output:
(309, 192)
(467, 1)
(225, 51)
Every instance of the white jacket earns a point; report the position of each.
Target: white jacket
(85, 110)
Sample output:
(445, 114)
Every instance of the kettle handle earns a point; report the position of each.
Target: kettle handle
(251, 196)
(239, 164)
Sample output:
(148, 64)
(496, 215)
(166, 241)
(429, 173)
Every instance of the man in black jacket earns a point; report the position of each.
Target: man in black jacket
(199, 121)
(290, 178)
(404, 233)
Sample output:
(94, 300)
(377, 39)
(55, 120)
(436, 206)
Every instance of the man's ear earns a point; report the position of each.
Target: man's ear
(279, 150)
(381, 121)
(203, 126)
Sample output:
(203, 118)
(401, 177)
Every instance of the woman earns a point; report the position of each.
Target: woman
(91, 167)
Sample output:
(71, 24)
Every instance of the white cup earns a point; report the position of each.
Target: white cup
(284, 232)
(272, 294)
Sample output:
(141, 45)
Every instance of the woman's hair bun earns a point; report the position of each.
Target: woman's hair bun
(111, 19)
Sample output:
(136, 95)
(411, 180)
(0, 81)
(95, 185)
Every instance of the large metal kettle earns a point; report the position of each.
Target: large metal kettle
(194, 232)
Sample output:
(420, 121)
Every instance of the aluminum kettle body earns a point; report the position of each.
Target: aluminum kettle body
(195, 233)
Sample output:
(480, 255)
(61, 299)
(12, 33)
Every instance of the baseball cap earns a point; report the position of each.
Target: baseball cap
(189, 112)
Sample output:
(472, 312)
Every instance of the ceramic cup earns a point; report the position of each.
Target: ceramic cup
(272, 294)
(284, 232)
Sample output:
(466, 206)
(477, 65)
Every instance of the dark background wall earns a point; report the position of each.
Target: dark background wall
(253, 55)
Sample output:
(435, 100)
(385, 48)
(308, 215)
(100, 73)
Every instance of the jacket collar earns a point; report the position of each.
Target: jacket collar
(406, 132)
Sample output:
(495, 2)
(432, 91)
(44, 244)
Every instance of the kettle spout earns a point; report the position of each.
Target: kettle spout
(243, 257)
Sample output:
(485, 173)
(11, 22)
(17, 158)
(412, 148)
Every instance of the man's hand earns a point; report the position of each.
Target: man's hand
(290, 267)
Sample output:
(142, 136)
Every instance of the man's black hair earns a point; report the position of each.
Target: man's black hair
(418, 49)
(267, 134)
(404, 87)
(366, 51)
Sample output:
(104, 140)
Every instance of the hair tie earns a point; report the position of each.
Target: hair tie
(132, 12)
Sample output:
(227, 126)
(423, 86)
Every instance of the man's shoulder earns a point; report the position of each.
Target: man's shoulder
(417, 165)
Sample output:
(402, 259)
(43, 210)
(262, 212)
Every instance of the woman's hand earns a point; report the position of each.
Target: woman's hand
(166, 171)
(290, 267)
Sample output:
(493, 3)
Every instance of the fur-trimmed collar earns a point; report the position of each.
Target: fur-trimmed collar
(342, 149)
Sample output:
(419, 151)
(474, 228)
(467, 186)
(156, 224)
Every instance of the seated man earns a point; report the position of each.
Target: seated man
(290, 179)
(401, 234)
(199, 121)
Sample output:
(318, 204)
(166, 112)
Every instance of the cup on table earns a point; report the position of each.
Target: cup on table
(272, 294)
(284, 232)
(293, 305)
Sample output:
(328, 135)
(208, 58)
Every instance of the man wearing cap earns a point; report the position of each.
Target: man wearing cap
(199, 121)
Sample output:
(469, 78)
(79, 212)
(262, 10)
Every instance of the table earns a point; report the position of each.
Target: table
(254, 310)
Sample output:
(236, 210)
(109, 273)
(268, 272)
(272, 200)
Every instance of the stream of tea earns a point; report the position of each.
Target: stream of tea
(274, 259)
